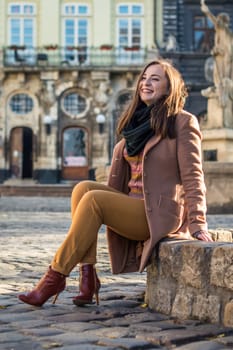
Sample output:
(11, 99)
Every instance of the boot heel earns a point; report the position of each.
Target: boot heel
(89, 286)
(97, 298)
(55, 298)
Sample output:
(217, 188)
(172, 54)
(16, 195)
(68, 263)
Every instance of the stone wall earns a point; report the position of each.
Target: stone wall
(193, 279)
(219, 184)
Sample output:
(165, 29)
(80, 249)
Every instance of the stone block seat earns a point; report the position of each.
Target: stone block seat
(193, 279)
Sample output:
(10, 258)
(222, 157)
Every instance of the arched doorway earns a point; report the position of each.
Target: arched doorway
(74, 153)
(21, 150)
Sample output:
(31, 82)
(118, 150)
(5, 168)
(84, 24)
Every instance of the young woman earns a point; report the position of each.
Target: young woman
(156, 189)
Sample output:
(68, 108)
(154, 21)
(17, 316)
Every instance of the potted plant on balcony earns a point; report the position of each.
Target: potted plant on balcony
(17, 47)
(132, 48)
(106, 47)
(51, 47)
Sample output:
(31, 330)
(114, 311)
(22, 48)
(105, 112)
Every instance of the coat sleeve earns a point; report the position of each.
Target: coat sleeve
(190, 166)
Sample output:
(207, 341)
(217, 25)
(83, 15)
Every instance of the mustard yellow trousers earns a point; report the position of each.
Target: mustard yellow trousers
(92, 205)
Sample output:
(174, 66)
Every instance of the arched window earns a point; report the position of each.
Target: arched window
(74, 147)
(74, 104)
(21, 103)
(124, 99)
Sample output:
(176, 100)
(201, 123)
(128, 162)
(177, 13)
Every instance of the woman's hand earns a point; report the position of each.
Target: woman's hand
(202, 236)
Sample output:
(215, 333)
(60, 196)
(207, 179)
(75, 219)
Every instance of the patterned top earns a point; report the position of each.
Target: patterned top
(135, 182)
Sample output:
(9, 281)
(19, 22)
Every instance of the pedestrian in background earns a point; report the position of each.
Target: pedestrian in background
(155, 190)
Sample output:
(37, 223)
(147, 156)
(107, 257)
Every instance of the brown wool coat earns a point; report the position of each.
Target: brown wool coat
(173, 188)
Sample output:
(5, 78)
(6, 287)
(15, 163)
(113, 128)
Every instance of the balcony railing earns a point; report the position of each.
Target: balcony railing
(191, 64)
(54, 56)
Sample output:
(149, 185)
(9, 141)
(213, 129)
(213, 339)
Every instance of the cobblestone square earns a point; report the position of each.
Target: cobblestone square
(31, 230)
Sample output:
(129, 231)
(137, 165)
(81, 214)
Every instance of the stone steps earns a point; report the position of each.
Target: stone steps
(33, 190)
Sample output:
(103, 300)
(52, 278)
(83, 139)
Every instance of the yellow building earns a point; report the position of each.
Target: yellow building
(66, 70)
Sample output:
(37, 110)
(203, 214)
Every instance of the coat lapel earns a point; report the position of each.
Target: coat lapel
(154, 140)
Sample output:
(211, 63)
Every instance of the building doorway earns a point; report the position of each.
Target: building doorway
(74, 153)
(21, 151)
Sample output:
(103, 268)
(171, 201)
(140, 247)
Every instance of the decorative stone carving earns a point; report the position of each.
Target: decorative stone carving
(171, 43)
(47, 95)
(222, 53)
(102, 93)
(223, 45)
(219, 119)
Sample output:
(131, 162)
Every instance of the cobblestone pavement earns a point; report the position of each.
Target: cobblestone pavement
(31, 229)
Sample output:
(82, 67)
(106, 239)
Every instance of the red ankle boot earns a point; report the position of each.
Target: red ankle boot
(52, 283)
(89, 286)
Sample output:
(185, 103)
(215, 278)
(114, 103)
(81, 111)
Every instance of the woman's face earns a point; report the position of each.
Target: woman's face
(153, 85)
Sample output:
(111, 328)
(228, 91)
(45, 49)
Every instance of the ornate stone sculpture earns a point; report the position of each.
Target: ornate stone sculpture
(222, 53)
(102, 93)
(47, 95)
(217, 128)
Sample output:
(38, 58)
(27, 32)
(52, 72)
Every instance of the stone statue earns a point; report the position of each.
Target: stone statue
(171, 43)
(223, 44)
(222, 53)
(47, 95)
(102, 93)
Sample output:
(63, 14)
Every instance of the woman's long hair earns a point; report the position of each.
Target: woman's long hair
(165, 110)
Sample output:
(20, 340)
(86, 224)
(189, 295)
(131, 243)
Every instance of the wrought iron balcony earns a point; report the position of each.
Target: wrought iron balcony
(191, 64)
(72, 56)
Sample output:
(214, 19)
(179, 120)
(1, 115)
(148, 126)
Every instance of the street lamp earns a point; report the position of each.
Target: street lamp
(100, 120)
(48, 124)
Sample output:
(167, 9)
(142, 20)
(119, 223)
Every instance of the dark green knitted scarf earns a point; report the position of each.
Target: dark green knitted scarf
(138, 131)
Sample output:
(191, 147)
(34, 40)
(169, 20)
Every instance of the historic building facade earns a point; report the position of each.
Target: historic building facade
(67, 69)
